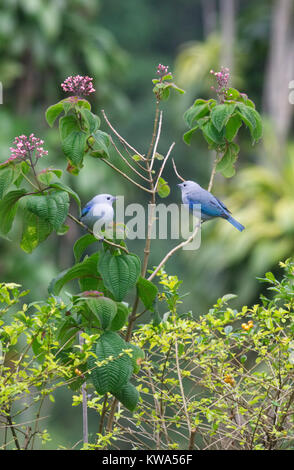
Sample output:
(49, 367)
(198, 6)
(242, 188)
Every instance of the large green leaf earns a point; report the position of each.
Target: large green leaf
(226, 164)
(221, 114)
(67, 125)
(35, 231)
(87, 268)
(100, 143)
(103, 310)
(53, 207)
(119, 273)
(92, 121)
(129, 396)
(147, 292)
(6, 178)
(232, 127)
(81, 244)
(252, 119)
(199, 109)
(120, 318)
(73, 146)
(71, 192)
(8, 207)
(117, 369)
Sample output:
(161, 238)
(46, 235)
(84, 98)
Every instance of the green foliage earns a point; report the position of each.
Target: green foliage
(119, 272)
(129, 396)
(114, 367)
(103, 309)
(147, 292)
(53, 208)
(8, 207)
(220, 123)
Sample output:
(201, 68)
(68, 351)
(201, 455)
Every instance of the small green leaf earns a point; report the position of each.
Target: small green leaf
(71, 192)
(120, 318)
(53, 112)
(188, 135)
(163, 188)
(232, 127)
(92, 121)
(199, 109)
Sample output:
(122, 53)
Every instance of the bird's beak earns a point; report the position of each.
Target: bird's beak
(114, 198)
(179, 185)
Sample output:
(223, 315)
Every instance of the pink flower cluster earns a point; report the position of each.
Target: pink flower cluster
(92, 293)
(162, 70)
(26, 148)
(222, 79)
(81, 86)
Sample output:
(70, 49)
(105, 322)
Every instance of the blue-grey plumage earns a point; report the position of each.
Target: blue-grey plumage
(99, 207)
(211, 206)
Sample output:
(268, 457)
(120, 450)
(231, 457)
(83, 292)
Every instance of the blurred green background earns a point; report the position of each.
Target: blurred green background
(119, 44)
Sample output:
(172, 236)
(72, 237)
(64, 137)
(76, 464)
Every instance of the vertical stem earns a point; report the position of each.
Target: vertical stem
(84, 404)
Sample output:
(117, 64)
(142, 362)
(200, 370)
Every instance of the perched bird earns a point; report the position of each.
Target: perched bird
(211, 207)
(99, 208)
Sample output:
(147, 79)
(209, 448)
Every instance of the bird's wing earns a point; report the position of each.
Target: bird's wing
(210, 205)
(86, 209)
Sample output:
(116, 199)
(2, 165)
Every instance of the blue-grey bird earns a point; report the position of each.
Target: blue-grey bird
(211, 206)
(99, 207)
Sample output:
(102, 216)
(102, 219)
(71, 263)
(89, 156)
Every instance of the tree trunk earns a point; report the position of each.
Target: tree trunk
(227, 18)
(209, 15)
(280, 70)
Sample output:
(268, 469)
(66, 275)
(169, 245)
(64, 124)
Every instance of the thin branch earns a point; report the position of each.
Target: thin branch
(115, 245)
(213, 173)
(156, 141)
(120, 137)
(127, 163)
(173, 251)
(182, 388)
(125, 176)
(176, 171)
(163, 165)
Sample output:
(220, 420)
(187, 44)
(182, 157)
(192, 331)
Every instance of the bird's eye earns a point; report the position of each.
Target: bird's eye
(108, 198)
(184, 184)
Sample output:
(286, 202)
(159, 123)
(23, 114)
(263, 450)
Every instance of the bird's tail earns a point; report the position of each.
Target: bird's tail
(236, 224)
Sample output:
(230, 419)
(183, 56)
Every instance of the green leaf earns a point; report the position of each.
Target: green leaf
(128, 396)
(147, 292)
(103, 309)
(188, 135)
(119, 273)
(252, 119)
(71, 192)
(137, 356)
(92, 121)
(67, 332)
(6, 178)
(199, 109)
(120, 318)
(53, 207)
(163, 188)
(81, 244)
(117, 369)
(232, 127)
(53, 112)
(35, 231)
(67, 125)
(86, 268)
(8, 207)
(226, 164)
(211, 132)
(73, 146)
(221, 114)
(100, 145)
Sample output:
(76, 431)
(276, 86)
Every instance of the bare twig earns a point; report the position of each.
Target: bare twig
(156, 141)
(163, 165)
(176, 171)
(125, 176)
(120, 137)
